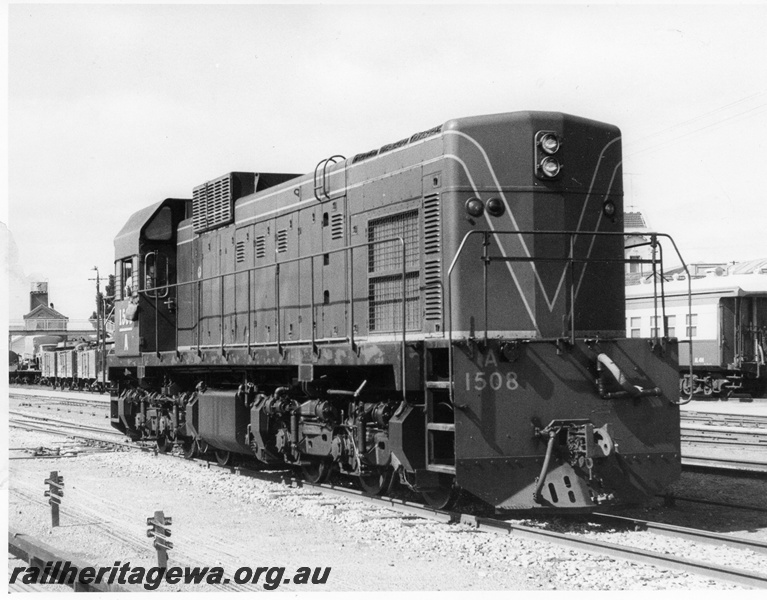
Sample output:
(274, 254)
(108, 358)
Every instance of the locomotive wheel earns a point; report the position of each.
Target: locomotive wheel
(223, 458)
(317, 471)
(377, 482)
(163, 444)
(190, 449)
(444, 497)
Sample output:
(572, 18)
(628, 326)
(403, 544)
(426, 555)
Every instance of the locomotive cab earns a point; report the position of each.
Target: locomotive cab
(145, 271)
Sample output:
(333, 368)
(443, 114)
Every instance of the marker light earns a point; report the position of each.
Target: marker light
(495, 207)
(474, 207)
(550, 166)
(549, 142)
(609, 208)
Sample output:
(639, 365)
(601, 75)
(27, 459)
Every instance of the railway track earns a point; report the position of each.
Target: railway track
(584, 543)
(59, 397)
(579, 542)
(31, 422)
(724, 420)
(723, 441)
(725, 436)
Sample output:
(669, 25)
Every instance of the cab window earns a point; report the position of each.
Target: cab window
(127, 282)
(160, 229)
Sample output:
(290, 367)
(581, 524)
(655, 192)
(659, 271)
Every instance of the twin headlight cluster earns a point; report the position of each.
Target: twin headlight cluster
(547, 144)
(494, 206)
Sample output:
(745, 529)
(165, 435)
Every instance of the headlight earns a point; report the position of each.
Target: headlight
(495, 207)
(474, 207)
(549, 142)
(550, 166)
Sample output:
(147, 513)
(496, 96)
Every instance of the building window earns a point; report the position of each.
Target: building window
(636, 325)
(671, 325)
(692, 325)
(634, 265)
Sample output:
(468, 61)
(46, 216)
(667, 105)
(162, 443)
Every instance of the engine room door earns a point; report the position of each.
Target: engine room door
(334, 289)
(311, 272)
(288, 282)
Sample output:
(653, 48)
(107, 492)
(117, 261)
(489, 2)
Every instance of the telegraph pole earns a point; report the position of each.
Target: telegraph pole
(100, 336)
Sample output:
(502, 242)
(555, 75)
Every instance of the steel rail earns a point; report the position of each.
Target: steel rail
(707, 429)
(729, 420)
(52, 430)
(629, 553)
(38, 394)
(671, 498)
(696, 535)
(71, 424)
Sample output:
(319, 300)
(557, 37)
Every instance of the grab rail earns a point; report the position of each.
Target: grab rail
(276, 265)
(570, 260)
(320, 179)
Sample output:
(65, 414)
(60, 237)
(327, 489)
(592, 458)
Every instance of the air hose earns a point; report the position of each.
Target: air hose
(545, 468)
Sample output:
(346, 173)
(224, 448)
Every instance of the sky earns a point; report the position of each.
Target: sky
(114, 107)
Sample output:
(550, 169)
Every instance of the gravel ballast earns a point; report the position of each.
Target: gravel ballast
(220, 519)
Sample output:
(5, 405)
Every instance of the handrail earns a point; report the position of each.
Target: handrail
(571, 260)
(321, 186)
(350, 332)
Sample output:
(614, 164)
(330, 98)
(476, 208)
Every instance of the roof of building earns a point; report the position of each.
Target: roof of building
(44, 312)
(757, 265)
(747, 277)
(634, 220)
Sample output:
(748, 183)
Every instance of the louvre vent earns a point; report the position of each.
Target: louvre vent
(260, 245)
(337, 226)
(239, 251)
(432, 244)
(213, 202)
(431, 225)
(282, 241)
(432, 278)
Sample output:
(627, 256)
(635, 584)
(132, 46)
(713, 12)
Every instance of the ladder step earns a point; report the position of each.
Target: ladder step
(440, 426)
(437, 385)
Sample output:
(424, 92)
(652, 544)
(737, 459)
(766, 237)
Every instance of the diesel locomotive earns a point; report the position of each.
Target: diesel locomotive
(446, 311)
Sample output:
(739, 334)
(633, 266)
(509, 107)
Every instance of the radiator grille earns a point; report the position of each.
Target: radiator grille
(385, 303)
(385, 269)
(388, 255)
